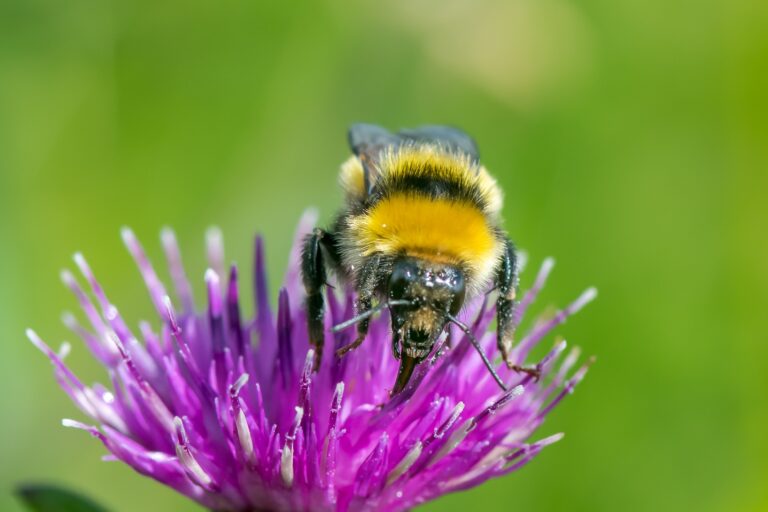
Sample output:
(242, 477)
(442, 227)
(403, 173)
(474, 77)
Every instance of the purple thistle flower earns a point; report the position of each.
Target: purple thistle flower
(228, 411)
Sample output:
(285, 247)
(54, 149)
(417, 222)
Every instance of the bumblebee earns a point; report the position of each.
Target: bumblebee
(419, 234)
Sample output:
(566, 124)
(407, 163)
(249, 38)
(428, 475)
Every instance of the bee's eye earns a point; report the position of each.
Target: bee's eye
(456, 284)
(404, 272)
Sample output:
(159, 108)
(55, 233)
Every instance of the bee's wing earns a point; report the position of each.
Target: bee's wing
(446, 136)
(367, 141)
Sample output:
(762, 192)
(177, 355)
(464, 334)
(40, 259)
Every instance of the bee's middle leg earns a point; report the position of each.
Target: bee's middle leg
(370, 276)
(506, 282)
(314, 275)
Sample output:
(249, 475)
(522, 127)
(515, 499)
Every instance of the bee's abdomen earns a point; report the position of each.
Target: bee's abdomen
(434, 187)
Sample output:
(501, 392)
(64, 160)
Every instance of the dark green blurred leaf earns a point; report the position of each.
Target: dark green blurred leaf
(45, 498)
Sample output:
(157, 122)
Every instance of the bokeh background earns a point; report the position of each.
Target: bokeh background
(631, 139)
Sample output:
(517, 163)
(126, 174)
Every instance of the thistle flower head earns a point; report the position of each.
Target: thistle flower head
(224, 406)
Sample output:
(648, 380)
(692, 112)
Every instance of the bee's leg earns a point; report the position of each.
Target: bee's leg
(369, 277)
(506, 282)
(362, 305)
(396, 344)
(313, 271)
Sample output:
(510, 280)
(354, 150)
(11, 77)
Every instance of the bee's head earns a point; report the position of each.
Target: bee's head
(432, 289)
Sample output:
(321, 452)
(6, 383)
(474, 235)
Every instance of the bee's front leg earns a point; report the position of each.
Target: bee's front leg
(366, 287)
(506, 282)
(362, 305)
(313, 271)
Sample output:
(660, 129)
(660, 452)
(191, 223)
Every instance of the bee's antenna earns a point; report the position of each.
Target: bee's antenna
(476, 344)
(365, 314)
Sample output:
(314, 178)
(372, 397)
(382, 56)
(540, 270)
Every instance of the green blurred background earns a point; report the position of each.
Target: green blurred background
(631, 138)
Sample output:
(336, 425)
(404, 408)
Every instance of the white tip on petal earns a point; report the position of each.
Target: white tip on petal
(286, 466)
(170, 312)
(457, 410)
(238, 384)
(195, 472)
(64, 350)
(405, 464)
(167, 237)
(453, 441)
(214, 236)
(309, 363)
(550, 440)
(585, 298)
(67, 278)
(568, 363)
(297, 419)
(215, 301)
(80, 260)
(214, 241)
(159, 456)
(244, 436)
(126, 233)
(111, 313)
(579, 376)
(212, 277)
(286, 458)
(36, 340)
(69, 320)
(589, 294)
(70, 423)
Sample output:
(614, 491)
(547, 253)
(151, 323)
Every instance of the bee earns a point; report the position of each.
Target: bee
(419, 234)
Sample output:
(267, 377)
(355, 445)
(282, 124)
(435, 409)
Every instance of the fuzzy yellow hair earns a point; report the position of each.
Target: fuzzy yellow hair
(426, 160)
(455, 231)
(444, 231)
